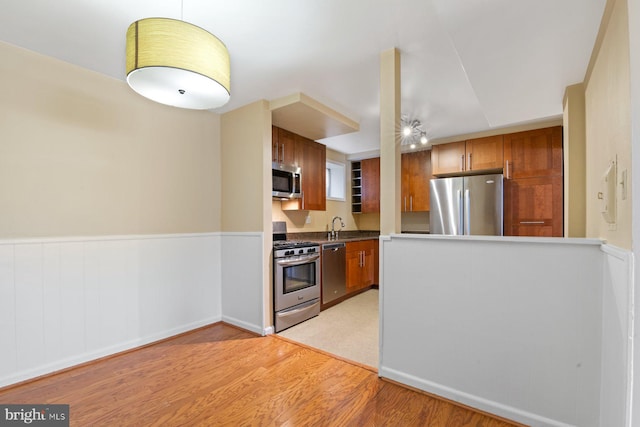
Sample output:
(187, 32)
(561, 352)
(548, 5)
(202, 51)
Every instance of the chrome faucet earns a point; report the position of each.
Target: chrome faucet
(334, 233)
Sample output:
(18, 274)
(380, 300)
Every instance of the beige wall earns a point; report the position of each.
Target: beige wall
(82, 154)
(608, 125)
(246, 169)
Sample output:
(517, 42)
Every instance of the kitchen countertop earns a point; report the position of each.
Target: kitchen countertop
(343, 236)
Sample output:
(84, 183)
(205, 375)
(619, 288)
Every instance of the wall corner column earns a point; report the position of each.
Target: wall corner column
(575, 161)
(390, 184)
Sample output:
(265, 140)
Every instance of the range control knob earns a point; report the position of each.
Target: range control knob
(288, 253)
(311, 250)
(301, 251)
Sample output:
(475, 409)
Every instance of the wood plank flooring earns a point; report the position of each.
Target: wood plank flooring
(224, 376)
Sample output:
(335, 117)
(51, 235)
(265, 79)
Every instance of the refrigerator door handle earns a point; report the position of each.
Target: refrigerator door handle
(460, 213)
(467, 213)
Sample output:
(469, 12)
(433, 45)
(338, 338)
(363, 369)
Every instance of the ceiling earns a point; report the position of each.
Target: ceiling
(467, 65)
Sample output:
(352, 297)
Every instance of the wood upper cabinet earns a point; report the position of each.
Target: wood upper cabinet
(448, 158)
(416, 174)
(533, 186)
(283, 149)
(485, 153)
(466, 157)
(370, 182)
(313, 164)
(311, 157)
(533, 153)
(362, 264)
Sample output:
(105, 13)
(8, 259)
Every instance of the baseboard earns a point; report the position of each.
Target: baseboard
(70, 362)
(268, 331)
(470, 400)
(244, 325)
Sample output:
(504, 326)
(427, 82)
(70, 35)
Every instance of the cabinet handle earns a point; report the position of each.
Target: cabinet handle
(507, 171)
(405, 203)
(469, 164)
(362, 259)
(531, 222)
(462, 162)
(411, 203)
(283, 153)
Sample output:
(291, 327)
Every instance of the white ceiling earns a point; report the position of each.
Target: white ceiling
(467, 65)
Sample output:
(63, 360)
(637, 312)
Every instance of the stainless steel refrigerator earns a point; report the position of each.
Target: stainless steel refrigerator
(466, 205)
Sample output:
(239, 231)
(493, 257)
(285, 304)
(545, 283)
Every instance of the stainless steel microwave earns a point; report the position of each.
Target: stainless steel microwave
(286, 181)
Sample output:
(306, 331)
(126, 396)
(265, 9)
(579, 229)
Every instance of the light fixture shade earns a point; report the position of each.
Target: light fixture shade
(176, 63)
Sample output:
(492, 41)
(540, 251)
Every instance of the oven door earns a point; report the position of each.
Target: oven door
(297, 280)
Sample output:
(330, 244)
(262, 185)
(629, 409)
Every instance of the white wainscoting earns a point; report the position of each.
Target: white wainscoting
(617, 337)
(510, 326)
(68, 301)
(242, 280)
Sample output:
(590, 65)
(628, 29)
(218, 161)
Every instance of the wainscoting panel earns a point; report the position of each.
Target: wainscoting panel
(509, 326)
(68, 301)
(243, 280)
(617, 337)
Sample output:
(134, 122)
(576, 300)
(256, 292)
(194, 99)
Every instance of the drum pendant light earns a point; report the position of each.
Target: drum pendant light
(176, 63)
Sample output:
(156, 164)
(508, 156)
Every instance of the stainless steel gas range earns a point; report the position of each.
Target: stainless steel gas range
(296, 281)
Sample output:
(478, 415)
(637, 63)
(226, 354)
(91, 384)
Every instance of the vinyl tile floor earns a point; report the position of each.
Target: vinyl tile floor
(348, 330)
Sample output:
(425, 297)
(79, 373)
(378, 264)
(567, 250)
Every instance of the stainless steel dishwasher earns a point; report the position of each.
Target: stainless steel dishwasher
(333, 271)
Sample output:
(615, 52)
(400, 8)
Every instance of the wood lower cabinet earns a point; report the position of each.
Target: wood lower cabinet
(416, 174)
(362, 264)
(533, 207)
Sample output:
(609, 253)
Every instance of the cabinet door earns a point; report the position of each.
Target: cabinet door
(283, 146)
(420, 177)
(313, 164)
(416, 174)
(368, 264)
(533, 207)
(405, 181)
(274, 144)
(533, 153)
(311, 157)
(448, 158)
(370, 185)
(353, 267)
(376, 261)
(485, 153)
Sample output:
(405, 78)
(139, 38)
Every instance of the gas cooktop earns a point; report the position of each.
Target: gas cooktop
(292, 244)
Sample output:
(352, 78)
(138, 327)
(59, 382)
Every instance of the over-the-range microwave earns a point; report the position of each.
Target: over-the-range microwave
(286, 181)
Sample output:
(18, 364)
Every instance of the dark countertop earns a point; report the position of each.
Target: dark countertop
(343, 236)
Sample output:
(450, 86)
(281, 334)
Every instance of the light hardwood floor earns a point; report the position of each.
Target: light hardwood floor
(221, 375)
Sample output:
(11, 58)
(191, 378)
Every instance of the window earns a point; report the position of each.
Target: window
(336, 184)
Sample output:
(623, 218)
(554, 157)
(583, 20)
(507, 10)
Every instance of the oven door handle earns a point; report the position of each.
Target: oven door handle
(297, 310)
(298, 261)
